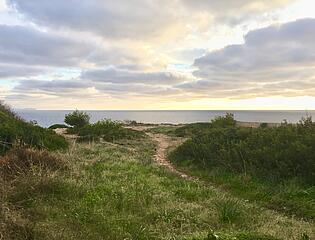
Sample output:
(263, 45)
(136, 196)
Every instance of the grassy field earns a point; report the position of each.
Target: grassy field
(115, 191)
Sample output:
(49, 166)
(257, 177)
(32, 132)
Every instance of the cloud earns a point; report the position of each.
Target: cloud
(25, 51)
(139, 19)
(28, 46)
(53, 86)
(273, 61)
(283, 54)
(114, 75)
(16, 71)
(125, 18)
(235, 11)
(111, 81)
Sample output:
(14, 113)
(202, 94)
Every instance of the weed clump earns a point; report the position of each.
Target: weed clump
(21, 160)
(229, 211)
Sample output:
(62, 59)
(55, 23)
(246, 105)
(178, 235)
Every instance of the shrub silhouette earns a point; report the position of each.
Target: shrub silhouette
(77, 119)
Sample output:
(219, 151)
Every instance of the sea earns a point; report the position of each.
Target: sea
(46, 118)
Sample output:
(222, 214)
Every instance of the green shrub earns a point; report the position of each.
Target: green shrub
(263, 125)
(14, 131)
(275, 154)
(56, 126)
(224, 121)
(203, 127)
(108, 130)
(192, 129)
(77, 119)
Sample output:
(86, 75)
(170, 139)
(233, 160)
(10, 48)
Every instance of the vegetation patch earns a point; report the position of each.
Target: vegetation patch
(14, 132)
(56, 126)
(108, 130)
(20, 161)
(272, 165)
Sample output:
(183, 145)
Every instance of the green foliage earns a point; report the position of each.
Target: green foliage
(14, 131)
(274, 154)
(114, 191)
(224, 121)
(108, 130)
(229, 210)
(77, 119)
(56, 126)
(194, 129)
(263, 125)
(305, 237)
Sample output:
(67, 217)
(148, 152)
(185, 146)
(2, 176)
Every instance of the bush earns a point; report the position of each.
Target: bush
(108, 130)
(276, 154)
(224, 121)
(56, 126)
(200, 128)
(14, 131)
(77, 119)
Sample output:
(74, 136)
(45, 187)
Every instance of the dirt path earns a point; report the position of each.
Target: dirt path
(163, 143)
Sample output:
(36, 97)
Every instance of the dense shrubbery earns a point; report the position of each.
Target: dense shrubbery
(275, 154)
(200, 128)
(77, 119)
(14, 131)
(108, 130)
(56, 126)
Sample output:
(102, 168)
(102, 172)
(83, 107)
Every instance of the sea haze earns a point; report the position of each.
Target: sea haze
(46, 118)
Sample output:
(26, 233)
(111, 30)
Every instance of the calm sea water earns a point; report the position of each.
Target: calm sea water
(46, 118)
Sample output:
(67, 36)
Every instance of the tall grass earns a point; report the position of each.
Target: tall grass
(16, 132)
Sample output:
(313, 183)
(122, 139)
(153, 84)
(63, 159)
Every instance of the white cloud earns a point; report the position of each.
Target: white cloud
(277, 60)
(114, 75)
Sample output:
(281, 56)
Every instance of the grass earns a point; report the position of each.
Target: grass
(15, 132)
(115, 191)
(271, 166)
(229, 211)
(167, 130)
(291, 197)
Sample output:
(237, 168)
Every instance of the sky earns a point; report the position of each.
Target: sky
(166, 54)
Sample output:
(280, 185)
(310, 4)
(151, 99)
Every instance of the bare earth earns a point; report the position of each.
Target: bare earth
(163, 143)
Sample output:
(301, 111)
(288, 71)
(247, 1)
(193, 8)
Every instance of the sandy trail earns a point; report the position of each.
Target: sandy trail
(163, 143)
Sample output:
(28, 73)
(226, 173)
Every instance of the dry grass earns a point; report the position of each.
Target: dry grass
(21, 161)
